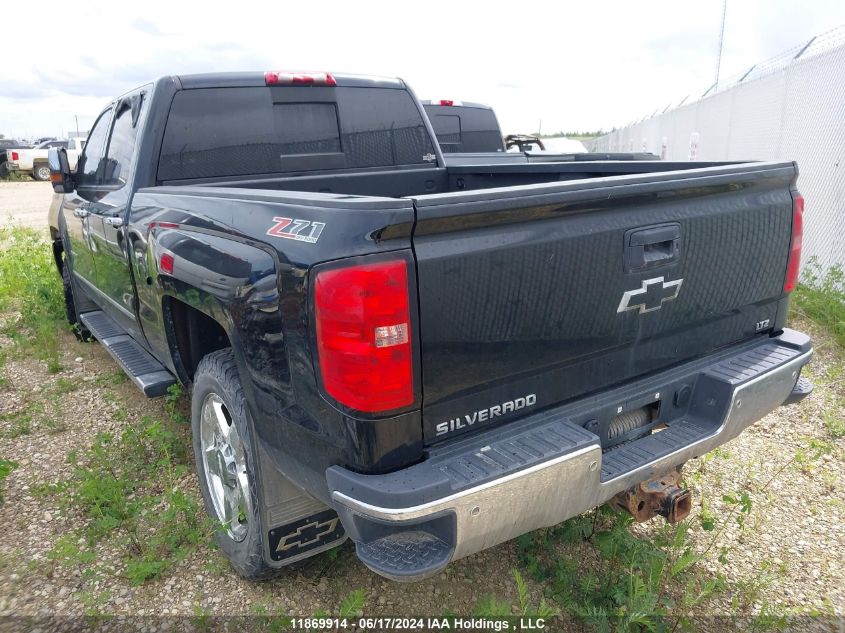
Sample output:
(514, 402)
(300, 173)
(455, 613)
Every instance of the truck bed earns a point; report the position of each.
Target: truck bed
(468, 173)
(522, 268)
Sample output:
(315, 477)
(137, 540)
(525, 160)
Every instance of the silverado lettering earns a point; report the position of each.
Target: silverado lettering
(483, 415)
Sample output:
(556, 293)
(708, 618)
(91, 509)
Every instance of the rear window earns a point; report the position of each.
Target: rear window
(447, 127)
(220, 132)
(465, 128)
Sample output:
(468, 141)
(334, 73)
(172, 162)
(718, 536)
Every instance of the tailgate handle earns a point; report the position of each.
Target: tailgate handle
(652, 246)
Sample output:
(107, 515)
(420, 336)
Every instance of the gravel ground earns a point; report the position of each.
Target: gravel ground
(25, 202)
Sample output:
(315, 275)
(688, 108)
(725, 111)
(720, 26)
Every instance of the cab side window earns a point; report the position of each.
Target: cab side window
(89, 172)
(121, 150)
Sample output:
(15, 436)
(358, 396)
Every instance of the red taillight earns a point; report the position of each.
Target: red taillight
(446, 102)
(166, 263)
(16, 156)
(281, 78)
(364, 335)
(792, 268)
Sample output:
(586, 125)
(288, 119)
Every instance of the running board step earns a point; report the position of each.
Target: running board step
(146, 372)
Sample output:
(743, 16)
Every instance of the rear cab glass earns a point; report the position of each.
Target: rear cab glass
(238, 131)
(465, 128)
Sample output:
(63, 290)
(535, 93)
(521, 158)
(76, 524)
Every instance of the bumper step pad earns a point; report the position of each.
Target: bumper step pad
(146, 372)
(631, 456)
(802, 389)
(411, 555)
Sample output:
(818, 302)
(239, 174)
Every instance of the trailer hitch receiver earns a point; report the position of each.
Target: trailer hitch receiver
(660, 495)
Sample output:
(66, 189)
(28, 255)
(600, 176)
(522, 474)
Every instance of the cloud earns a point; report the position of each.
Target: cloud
(145, 26)
(578, 65)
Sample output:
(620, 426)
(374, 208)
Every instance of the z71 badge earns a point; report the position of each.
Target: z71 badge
(293, 229)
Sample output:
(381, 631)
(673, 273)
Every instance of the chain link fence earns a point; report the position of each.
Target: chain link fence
(790, 107)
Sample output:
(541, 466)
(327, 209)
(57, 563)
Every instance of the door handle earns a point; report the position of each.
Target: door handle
(115, 221)
(652, 246)
(81, 213)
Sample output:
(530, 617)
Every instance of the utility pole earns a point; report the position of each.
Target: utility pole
(76, 116)
(721, 40)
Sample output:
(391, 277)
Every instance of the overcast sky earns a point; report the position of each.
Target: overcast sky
(571, 65)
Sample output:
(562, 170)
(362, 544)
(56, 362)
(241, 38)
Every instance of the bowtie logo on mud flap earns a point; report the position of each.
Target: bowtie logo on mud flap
(306, 534)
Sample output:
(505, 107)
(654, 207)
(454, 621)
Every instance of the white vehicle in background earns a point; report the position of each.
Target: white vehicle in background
(563, 145)
(549, 145)
(35, 160)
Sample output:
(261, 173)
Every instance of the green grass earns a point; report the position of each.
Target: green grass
(42, 411)
(821, 297)
(15, 424)
(31, 292)
(834, 424)
(628, 583)
(16, 176)
(126, 491)
(6, 468)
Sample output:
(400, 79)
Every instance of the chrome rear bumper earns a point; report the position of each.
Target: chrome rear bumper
(728, 397)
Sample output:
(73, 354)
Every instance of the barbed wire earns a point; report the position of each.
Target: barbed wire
(815, 46)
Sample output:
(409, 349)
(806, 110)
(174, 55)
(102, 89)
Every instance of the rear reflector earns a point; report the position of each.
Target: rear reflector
(282, 78)
(166, 263)
(794, 265)
(363, 335)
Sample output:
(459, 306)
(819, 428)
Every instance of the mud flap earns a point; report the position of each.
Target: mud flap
(317, 531)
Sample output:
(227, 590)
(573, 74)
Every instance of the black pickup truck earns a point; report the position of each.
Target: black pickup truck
(427, 358)
(464, 127)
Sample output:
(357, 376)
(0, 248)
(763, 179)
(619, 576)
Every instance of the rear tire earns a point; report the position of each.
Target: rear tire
(225, 460)
(41, 172)
(71, 314)
(4, 169)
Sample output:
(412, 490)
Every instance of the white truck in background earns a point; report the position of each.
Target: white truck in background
(35, 160)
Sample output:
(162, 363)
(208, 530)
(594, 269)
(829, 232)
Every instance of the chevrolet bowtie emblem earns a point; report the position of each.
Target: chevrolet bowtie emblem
(651, 296)
(307, 534)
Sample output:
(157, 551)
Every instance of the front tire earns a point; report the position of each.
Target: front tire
(225, 460)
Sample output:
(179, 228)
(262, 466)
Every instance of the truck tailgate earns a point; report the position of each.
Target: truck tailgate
(534, 295)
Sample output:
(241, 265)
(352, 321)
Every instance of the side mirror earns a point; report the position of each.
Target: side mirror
(60, 174)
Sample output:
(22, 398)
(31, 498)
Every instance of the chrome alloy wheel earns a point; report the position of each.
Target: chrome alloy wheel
(224, 466)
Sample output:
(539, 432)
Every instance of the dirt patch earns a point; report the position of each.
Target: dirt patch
(25, 203)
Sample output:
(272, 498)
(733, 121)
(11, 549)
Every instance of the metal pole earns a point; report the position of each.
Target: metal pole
(76, 116)
(721, 40)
